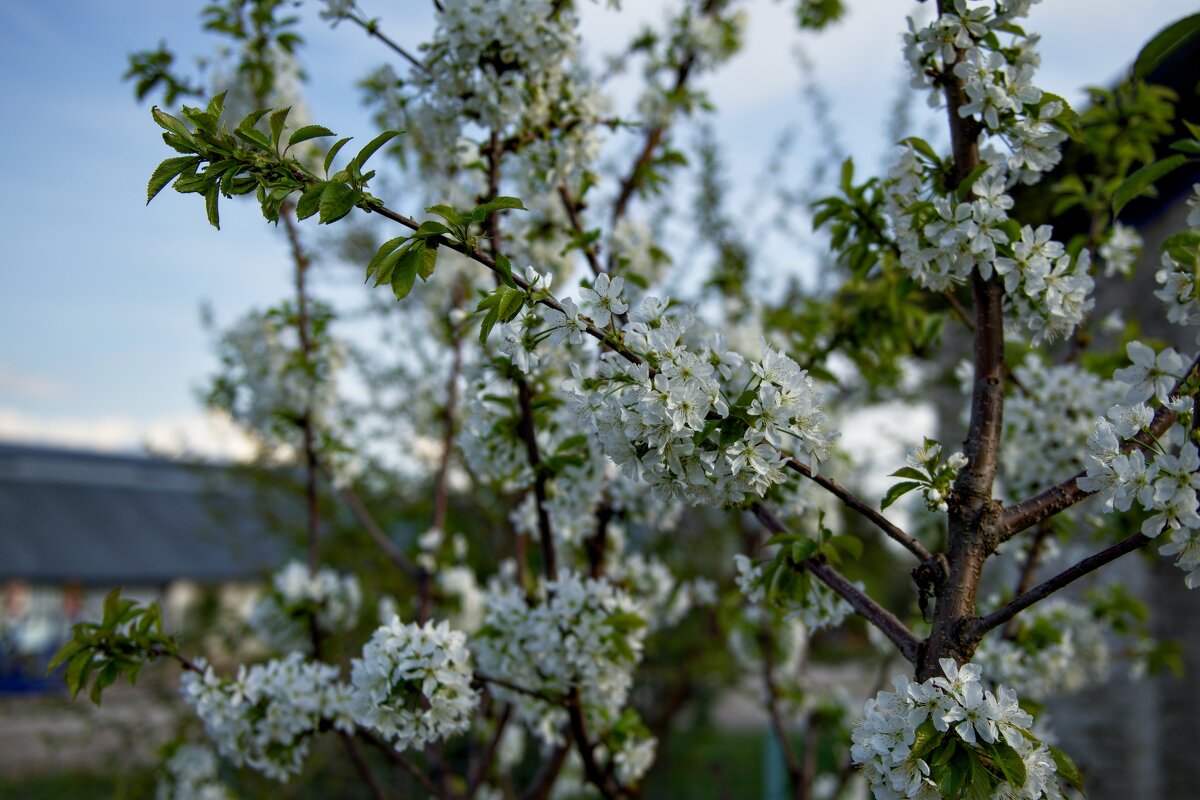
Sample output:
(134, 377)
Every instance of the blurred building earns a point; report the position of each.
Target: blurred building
(74, 525)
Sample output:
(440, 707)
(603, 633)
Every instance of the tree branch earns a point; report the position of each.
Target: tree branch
(386, 545)
(795, 768)
(364, 769)
(395, 757)
(858, 505)
(477, 775)
(863, 605)
(977, 628)
(1020, 516)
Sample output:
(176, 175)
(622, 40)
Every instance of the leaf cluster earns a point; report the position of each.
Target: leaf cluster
(127, 637)
(218, 162)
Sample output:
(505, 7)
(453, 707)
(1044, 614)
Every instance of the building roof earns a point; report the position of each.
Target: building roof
(103, 519)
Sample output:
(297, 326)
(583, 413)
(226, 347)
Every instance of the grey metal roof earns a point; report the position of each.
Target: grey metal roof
(93, 518)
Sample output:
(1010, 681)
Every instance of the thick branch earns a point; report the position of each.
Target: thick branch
(863, 605)
(977, 628)
(858, 505)
(1016, 518)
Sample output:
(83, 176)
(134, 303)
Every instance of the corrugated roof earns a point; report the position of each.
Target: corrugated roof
(93, 518)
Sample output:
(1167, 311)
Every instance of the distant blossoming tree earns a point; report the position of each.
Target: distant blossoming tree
(598, 413)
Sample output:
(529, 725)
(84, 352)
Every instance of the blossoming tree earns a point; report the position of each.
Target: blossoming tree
(597, 409)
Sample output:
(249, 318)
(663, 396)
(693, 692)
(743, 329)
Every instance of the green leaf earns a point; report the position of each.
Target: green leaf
(504, 270)
(925, 739)
(337, 200)
(167, 171)
(850, 545)
(278, 123)
(211, 197)
(1190, 146)
(980, 782)
(431, 228)
(1067, 769)
(951, 777)
(67, 651)
(1009, 761)
(911, 473)
(449, 214)
(373, 145)
(112, 607)
(310, 201)
(381, 265)
(803, 549)
(308, 132)
(405, 274)
(896, 492)
(76, 670)
(428, 261)
(1165, 43)
(496, 204)
(1143, 179)
(333, 151)
(172, 124)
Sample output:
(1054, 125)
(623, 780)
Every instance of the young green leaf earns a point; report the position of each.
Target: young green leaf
(383, 263)
(1143, 179)
(337, 200)
(896, 492)
(1067, 770)
(167, 171)
(307, 133)
(379, 141)
(333, 151)
(428, 261)
(211, 197)
(310, 201)
(407, 265)
(278, 123)
(496, 204)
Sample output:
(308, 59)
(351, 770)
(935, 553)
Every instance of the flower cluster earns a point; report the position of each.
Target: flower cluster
(1180, 263)
(508, 66)
(1058, 647)
(942, 241)
(997, 79)
(685, 430)
(264, 384)
(265, 717)
(191, 774)
(1164, 484)
(282, 616)
(1120, 251)
(903, 733)
(586, 636)
(1046, 425)
(413, 684)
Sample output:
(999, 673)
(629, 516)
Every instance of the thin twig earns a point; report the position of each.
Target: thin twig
(385, 545)
(372, 29)
(977, 628)
(395, 757)
(364, 769)
(477, 775)
(795, 769)
(863, 604)
(857, 504)
(572, 209)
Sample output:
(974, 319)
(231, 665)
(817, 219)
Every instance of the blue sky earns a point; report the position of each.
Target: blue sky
(100, 341)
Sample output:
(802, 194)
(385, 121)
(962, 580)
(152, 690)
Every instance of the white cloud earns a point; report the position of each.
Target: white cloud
(198, 434)
(25, 386)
